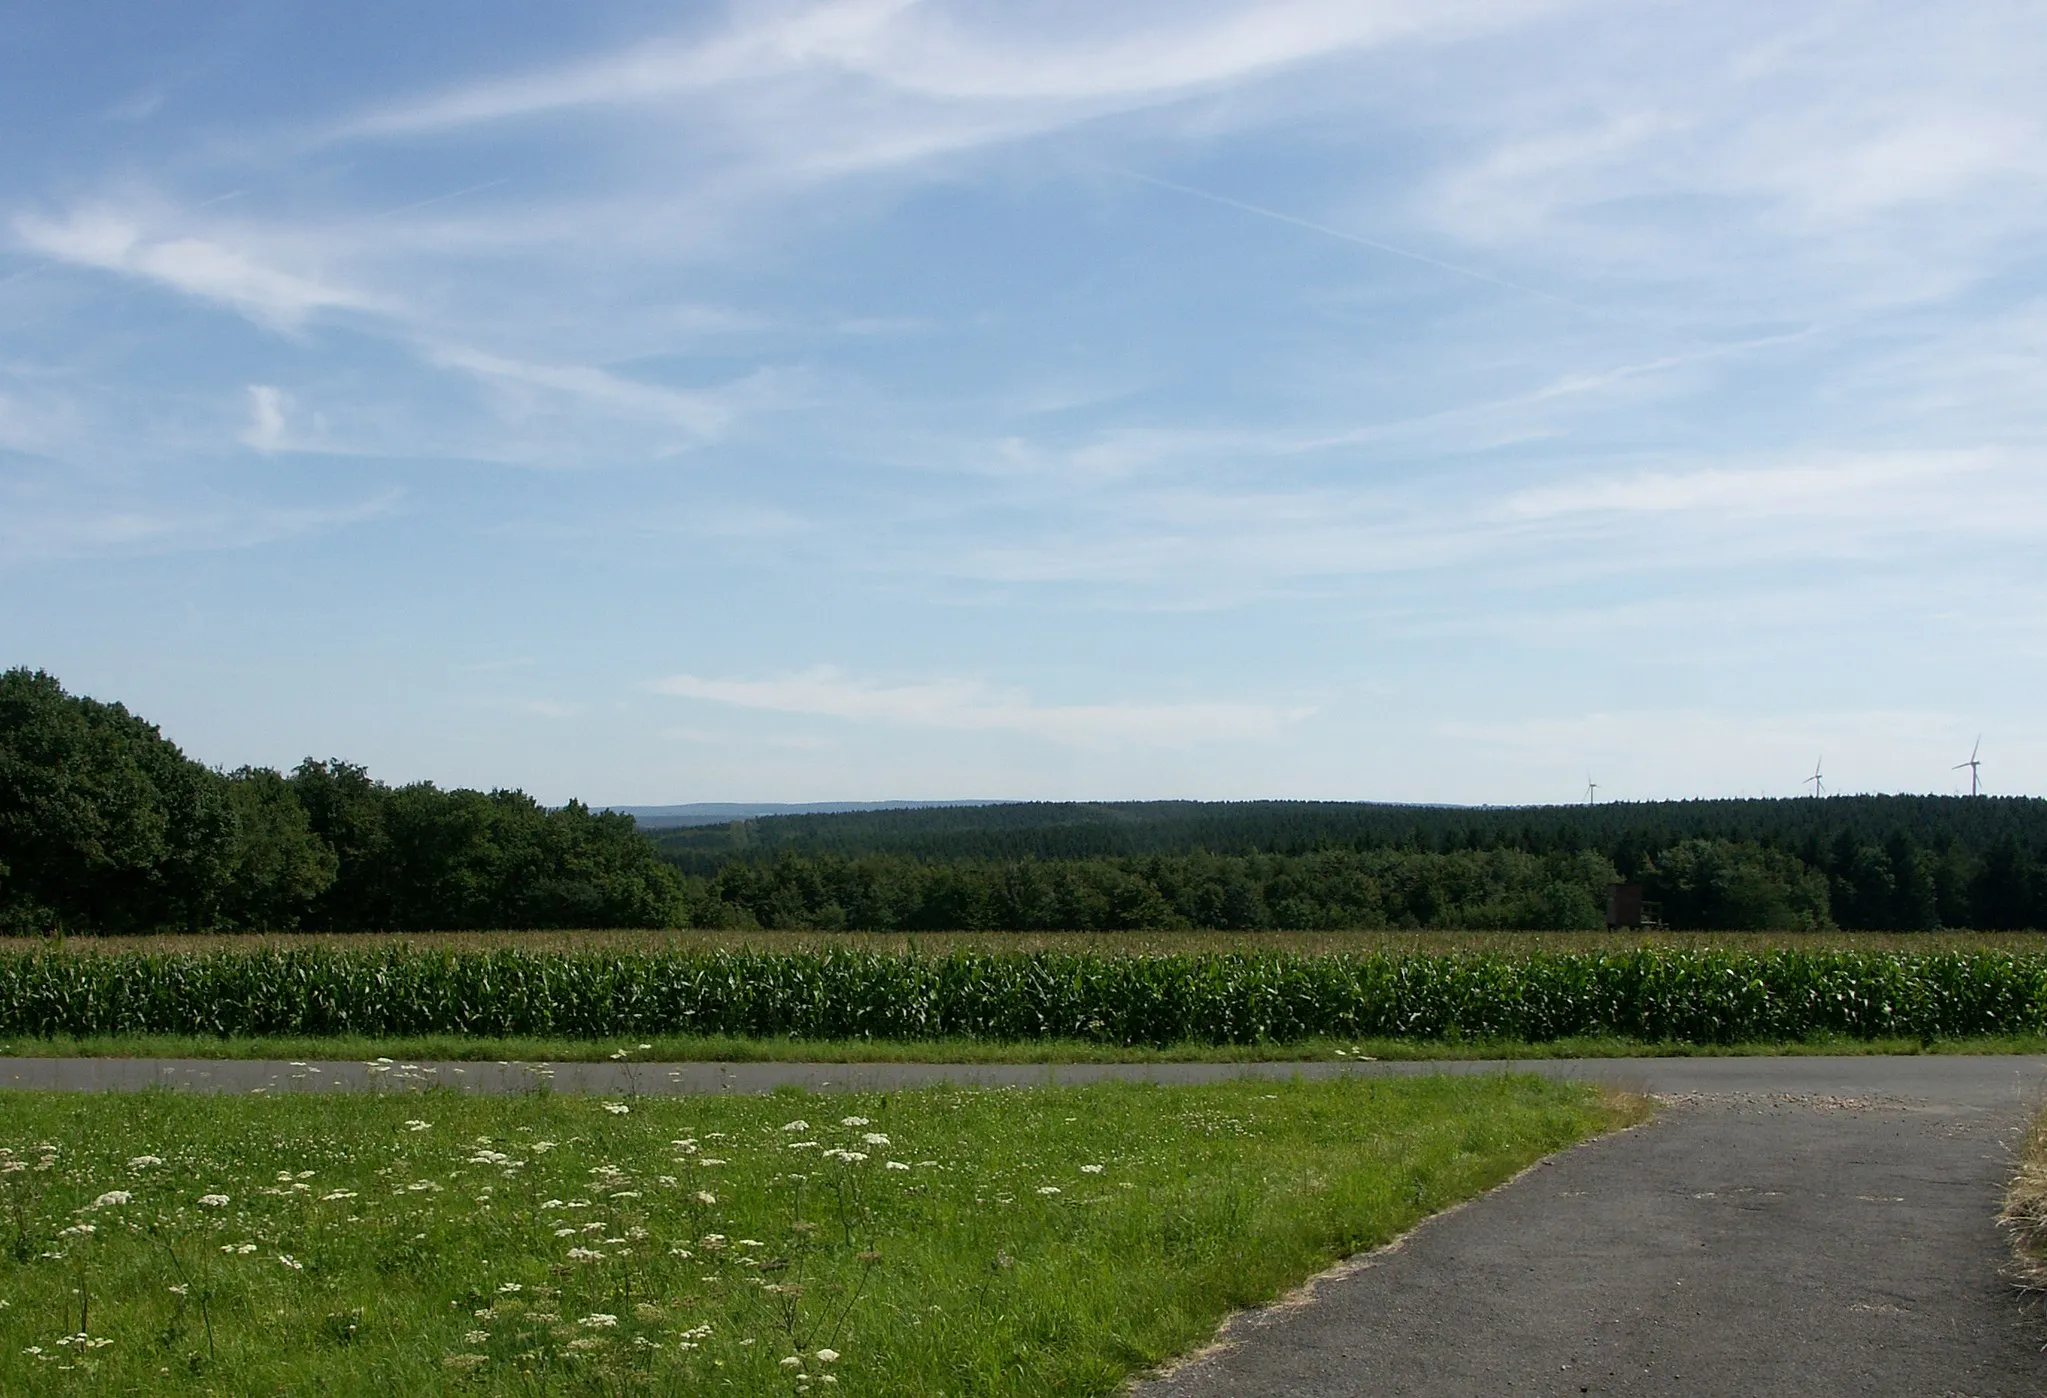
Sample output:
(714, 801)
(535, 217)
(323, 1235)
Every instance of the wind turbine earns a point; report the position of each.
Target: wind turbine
(1972, 764)
(1591, 790)
(1815, 781)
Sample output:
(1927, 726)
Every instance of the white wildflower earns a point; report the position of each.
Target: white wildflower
(291, 1262)
(794, 1361)
(875, 1138)
(898, 1164)
(827, 1356)
(585, 1255)
(112, 1196)
(598, 1320)
(214, 1201)
(853, 1121)
(1091, 1169)
(143, 1162)
(1048, 1189)
(418, 1125)
(798, 1125)
(617, 1108)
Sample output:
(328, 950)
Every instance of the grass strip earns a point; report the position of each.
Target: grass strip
(1347, 943)
(939, 1241)
(456, 1048)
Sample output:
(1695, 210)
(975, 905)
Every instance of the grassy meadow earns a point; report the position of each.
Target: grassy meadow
(721, 1048)
(937, 1242)
(1136, 943)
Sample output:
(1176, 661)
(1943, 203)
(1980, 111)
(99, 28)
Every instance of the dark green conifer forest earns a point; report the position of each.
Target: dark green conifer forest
(106, 826)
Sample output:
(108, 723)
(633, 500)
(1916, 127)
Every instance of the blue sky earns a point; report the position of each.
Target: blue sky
(1439, 401)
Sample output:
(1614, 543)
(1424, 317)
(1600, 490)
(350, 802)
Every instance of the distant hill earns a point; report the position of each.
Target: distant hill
(1083, 830)
(725, 812)
(1896, 863)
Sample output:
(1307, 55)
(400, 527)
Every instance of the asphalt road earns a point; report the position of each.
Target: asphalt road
(1787, 1226)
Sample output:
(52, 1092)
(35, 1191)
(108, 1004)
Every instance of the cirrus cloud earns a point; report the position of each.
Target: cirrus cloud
(974, 706)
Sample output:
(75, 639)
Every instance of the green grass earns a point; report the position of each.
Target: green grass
(456, 1048)
(959, 1242)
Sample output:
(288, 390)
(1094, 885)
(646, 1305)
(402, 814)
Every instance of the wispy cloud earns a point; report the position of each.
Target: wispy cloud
(1218, 542)
(1835, 487)
(974, 706)
(934, 53)
(700, 414)
(268, 294)
(36, 527)
(265, 431)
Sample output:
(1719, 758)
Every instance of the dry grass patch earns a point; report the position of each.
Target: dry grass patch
(2025, 1210)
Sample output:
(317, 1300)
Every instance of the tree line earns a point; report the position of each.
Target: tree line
(1628, 832)
(1890, 863)
(1699, 883)
(106, 826)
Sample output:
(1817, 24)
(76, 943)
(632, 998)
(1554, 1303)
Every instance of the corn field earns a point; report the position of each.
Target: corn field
(1699, 996)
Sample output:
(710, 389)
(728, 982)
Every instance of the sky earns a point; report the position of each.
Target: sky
(1438, 400)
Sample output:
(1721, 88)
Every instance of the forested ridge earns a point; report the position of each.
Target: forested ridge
(1862, 862)
(106, 826)
(1627, 831)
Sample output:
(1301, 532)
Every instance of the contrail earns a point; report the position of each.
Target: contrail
(1227, 202)
(439, 198)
